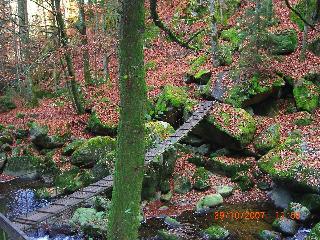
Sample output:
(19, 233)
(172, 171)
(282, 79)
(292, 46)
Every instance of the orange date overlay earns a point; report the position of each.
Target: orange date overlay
(253, 215)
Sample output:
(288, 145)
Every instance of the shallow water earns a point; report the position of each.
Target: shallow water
(19, 198)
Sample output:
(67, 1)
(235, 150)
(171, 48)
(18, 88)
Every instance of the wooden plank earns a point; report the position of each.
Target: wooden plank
(81, 195)
(53, 209)
(11, 229)
(34, 217)
(93, 189)
(67, 202)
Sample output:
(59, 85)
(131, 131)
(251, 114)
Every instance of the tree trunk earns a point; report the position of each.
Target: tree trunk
(317, 13)
(129, 167)
(84, 41)
(214, 35)
(75, 90)
(105, 55)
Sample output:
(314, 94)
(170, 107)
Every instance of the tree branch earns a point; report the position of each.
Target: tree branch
(166, 29)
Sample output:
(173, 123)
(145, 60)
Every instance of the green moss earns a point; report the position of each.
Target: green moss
(315, 233)
(283, 42)
(71, 147)
(92, 151)
(229, 169)
(151, 65)
(216, 232)
(151, 32)
(231, 35)
(201, 179)
(173, 96)
(6, 104)
(306, 12)
(268, 139)
(306, 96)
(197, 63)
(243, 180)
(225, 52)
(96, 126)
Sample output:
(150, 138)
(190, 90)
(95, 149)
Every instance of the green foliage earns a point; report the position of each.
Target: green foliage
(306, 95)
(201, 178)
(315, 233)
(6, 103)
(197, 63)
(231, 35)
(225, 52)
(151, 65)
(216, 232)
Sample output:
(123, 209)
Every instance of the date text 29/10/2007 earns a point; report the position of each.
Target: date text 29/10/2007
(253, 215)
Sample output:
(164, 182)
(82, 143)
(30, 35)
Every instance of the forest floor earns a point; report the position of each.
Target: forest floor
(172, 62)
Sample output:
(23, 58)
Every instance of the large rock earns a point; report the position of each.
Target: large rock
(254, 90)
(306, 95)
(216, 233)
(314, 46)
(209, 201)
(39, 136)
(298, 211)
(287, 164)
(227, 126)
(172, 104)
(25, 167)
(201, 179)
(71, 147)
(285, 226)
(315, 233)
(93, 151)
(73, 179)
(91, 222)
(269, 235)
(267, 139)
(97, 127)
(6, 104)
(283, 43)
(182, 184)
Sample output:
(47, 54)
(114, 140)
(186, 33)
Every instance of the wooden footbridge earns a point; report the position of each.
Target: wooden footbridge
(16, 228)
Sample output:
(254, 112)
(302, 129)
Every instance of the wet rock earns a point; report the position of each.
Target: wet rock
(285, 226)
(298, 211)
(224, 190)
(269, 235)
(171, 222)
(216, 233)
(209, 201)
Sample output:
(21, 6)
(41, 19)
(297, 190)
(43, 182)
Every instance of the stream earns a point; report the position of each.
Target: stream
(19, 198)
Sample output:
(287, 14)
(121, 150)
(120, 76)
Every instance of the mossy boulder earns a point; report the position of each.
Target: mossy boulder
(209, 201)
(104, 166)
(297, 209)
(306, 95)
(283, 43)
(6, 104)
(216, 232)
(73, 179)
(6, 137)
(97, 127)
(232, 35)
(172, 104)
(71, 147)
(201, 77)
(314, 46)
(227, 126)
(287, 164)
(156, 132)
(269, 235)
(256, 89)
(224, 190)
(92, 151)
(228, 165)
(201, 179)
(91, 222)
(225, 53)
(182, 184)
(39, 136)
(25, 167)
(286, 226)
(315, 233)
(244, 181)
(267, 139)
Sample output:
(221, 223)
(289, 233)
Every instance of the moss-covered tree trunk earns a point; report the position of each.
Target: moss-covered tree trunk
(75, 90)
(129, 167)
(84, 41)
(214, 35)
